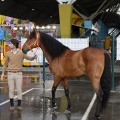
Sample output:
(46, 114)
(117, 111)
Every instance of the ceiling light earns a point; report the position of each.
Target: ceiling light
(54, 27)
(43, 27)
(32, 27)
(20, 28)
(37, 27)
(26, 28)
(15, 28)
(48, 27)
(33, 9)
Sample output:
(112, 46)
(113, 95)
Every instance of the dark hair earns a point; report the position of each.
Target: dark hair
(15, 42)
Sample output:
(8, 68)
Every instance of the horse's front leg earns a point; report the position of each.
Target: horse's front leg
(66, 89)
(53, 97)
(55, 85)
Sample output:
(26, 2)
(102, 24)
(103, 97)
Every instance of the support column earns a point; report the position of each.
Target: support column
(65, 15)
(103, 30)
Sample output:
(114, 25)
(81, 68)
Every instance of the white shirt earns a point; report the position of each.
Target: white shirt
(14, 52)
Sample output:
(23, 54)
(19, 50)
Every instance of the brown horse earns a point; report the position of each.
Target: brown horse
(65, 63)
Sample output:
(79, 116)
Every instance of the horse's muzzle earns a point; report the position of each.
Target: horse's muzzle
(25, 50)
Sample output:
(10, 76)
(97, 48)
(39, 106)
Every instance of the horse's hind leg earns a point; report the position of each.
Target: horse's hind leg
(99, 104)
(66, 89)
(94, 72)
(99, 94)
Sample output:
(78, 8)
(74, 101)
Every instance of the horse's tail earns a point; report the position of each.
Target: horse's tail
(105, 80)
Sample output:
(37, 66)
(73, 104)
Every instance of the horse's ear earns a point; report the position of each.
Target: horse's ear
(37, 35)
(33, 29)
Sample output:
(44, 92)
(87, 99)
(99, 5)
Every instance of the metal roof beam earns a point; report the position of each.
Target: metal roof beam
(108, 17)
(110, 9)
(80, 14)
(8, 8)
(80, 6)
(98, 11)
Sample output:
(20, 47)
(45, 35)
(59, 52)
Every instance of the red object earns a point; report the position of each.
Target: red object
(7, 48)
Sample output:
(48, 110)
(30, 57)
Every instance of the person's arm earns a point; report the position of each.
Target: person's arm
(4, 66)
(29, 58)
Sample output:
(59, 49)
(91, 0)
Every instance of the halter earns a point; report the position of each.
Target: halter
(29, 46)
(35, 42)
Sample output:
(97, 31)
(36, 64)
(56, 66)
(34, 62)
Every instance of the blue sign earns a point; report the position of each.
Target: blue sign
(88, 24)
(1, 34)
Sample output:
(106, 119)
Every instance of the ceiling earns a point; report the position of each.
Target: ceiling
(44, 12)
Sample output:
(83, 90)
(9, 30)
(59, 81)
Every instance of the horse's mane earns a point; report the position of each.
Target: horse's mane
(51, 45)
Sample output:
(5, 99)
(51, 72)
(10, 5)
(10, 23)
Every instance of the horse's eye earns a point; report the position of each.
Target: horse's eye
(30, 37)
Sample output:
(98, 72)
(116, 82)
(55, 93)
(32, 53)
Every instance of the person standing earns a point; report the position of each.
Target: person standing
(14, 60)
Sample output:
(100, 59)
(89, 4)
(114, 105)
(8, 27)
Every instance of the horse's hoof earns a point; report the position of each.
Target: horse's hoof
(96, 118)
(54, 117)
(67, 112)
(54, 109)
(54, 112)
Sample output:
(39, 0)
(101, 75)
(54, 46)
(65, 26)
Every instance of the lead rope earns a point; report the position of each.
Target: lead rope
(42, 81)
(39, 70)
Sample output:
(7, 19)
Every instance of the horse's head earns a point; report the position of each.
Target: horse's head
(31, 42)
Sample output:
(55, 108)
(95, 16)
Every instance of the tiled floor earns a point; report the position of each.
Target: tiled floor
(36, 103)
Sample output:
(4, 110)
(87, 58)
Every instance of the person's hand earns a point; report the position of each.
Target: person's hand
(2, 77)
(35, 57)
